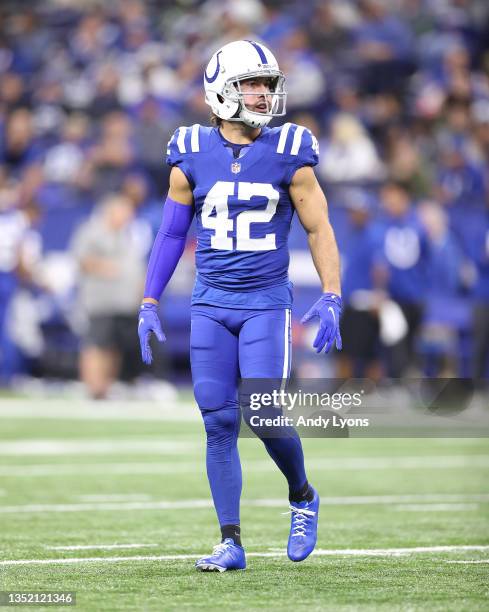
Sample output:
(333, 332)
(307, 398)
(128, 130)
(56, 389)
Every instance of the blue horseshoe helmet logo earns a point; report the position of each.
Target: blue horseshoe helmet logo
(214, 76)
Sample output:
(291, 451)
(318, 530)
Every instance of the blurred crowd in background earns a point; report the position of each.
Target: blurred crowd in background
(398, 95)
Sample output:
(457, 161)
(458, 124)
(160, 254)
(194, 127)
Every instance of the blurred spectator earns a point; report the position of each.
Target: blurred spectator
(443, 319)
(135, 187)
(384, 45)
(106, 97)
(328, 29)
(110, 250)
(12, 92)
(480, 329)
(346, 96)
(305, 79)
(407, 164)
(460, 182)
(382, 112)
(349, 155)
(64, 161)
(18, 145)
(360, 357)
(113, 154)
(152, 130)
(403, 256)
(480, 118)
(20, 248)
(461, 187)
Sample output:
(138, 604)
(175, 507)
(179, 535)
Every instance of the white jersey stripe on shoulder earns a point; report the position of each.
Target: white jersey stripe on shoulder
(181, 139)
(283, 137)
(168, 148)
(296, 143)
(194, 141)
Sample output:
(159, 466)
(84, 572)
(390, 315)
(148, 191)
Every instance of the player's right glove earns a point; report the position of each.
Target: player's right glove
(149, 322)
(328, 309)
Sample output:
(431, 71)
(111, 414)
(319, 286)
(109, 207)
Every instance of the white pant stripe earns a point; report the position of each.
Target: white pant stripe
(285, 370)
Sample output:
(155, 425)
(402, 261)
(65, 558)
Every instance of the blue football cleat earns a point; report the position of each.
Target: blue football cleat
(303, 528)
(225, 556)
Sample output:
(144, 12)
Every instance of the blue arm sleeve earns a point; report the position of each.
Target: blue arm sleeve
(168, 247)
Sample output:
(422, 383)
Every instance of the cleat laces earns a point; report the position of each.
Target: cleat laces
(300, 518)
(219, 549)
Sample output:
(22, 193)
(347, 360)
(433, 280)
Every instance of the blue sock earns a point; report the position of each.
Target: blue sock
(284, 446)
(287, 453)
(223, 464)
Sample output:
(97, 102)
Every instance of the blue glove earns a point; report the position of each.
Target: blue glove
(149, 322)
(328, 309)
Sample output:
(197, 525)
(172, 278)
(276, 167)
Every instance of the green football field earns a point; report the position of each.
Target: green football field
(111, 501)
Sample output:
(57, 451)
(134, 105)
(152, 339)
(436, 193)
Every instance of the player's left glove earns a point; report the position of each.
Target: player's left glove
(328, 309)
(149, 322)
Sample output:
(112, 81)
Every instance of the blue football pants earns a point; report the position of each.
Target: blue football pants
(227, 344)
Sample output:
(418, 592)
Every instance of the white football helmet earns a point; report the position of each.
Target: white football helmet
(237, 61)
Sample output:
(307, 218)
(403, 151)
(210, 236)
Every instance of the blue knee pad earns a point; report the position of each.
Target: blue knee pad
(221, 426)
(213, 395)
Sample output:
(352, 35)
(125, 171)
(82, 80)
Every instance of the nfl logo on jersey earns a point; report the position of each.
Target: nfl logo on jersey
(235, 167)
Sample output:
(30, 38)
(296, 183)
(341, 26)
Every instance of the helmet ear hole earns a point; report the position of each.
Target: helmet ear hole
(220, 98)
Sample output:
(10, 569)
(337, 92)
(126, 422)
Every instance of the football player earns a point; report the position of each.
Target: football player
(243, 181)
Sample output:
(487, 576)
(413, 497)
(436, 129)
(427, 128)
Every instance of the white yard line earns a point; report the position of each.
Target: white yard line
(469, 561)
(101, 559)
(435, 507)
(107, 506)
(80, 410)
(164, 408)
(113, 497)
(387, 499)
(373, 552)
(400, 463)
(55, 469)
(96, 446)
(101, 547)
(207, 503)
(333, 463)
(402, 551)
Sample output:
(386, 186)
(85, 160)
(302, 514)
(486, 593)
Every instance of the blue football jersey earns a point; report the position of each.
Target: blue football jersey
(243, 211)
